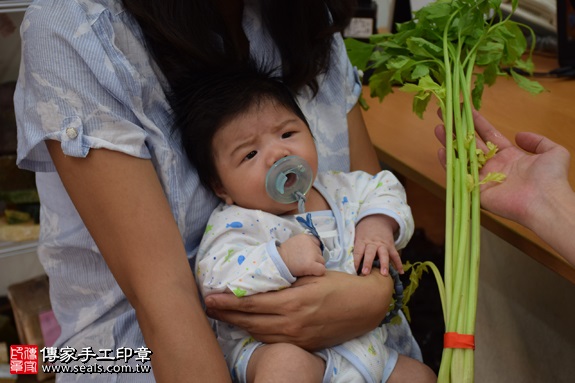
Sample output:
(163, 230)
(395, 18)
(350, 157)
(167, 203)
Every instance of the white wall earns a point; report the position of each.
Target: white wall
(385, 11)
(525, 318)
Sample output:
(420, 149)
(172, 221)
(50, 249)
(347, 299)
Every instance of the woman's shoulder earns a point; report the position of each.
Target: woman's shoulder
(66, 17)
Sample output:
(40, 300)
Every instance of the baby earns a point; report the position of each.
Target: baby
(279, 219)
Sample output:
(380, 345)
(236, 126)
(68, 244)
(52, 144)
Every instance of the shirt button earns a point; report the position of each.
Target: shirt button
(71, 133)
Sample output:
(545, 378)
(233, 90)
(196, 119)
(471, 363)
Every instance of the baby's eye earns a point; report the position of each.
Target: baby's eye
(287, 134)
(251, 155)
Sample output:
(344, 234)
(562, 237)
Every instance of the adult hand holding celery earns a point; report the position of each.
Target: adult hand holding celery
(451, 49)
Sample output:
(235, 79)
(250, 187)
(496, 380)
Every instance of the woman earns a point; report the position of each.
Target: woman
(123, 212)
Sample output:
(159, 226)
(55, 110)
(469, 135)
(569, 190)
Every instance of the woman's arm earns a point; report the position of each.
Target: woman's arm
(315, 313)
(361, 151)
(122, 204)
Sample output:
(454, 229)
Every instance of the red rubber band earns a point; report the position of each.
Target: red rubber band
(456, 340)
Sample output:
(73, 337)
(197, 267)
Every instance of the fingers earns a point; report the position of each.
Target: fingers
(442, 156)
(440, 113)
(253, 324)
(487, 132)
(534, 143)
(318, 268)
(259, 303)
(383, 261)
(314, 239)
(396, 259)
(368, 257)
(440, 133)
(358, 250)
(385, 255)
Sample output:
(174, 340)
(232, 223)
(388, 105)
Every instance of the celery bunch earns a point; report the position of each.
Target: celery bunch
(450, 50)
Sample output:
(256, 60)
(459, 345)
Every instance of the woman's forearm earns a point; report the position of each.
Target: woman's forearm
(177, 331)
(315, 313)
(124, 208)
(552, 218)
(362, 154)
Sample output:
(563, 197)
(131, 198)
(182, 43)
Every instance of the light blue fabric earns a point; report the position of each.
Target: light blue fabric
(87, 81)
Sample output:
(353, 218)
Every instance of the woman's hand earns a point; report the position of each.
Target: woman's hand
(316, 312)
(536, 192)
(534, 169)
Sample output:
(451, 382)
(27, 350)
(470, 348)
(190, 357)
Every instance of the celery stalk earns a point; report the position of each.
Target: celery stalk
(438, 54)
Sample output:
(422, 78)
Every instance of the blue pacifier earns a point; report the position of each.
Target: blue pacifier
(288, 180)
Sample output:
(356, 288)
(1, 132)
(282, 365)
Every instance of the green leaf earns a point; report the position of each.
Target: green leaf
(420, 102)
(238, 292)
(493, 177)
(419, 71)
(489, 52)
(514, 46)
(481, 160)
(477, 91)
(525, 65)
(423, 48)
(469, 23)
(399, 62)
(482, 157)
(364, 105)
(380, 84)
(358, 52)
(374, 39)
(532, 87)
(434, 15)
(493, 149)
(411, 88)
(469, 183)
(406, 26)
(380, 58)
(428, 83)
(490, 74)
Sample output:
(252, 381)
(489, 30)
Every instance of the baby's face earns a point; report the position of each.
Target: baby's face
(246, 148)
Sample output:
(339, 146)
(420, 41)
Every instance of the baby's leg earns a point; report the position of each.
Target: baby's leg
(410, 370)
(283, 362)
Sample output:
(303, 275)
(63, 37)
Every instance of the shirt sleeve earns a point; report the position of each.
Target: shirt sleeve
(76, 84)
(238, 254)
(353, 85)
(384, 194)
(378, 194)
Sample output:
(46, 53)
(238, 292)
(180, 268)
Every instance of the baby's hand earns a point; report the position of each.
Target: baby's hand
(374, 237)
(302, 255)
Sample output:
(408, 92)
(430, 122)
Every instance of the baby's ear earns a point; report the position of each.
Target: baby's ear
(220, 191)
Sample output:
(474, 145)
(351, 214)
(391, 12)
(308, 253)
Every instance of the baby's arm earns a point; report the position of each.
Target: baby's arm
(384, 224)
(242, 255)
(302, 255)
(238, 254)
(374, 236)
(240, 268)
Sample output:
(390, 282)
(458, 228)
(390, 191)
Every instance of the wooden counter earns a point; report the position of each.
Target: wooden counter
(408, 144)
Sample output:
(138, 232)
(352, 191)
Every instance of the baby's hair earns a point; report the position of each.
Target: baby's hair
(206, 101)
